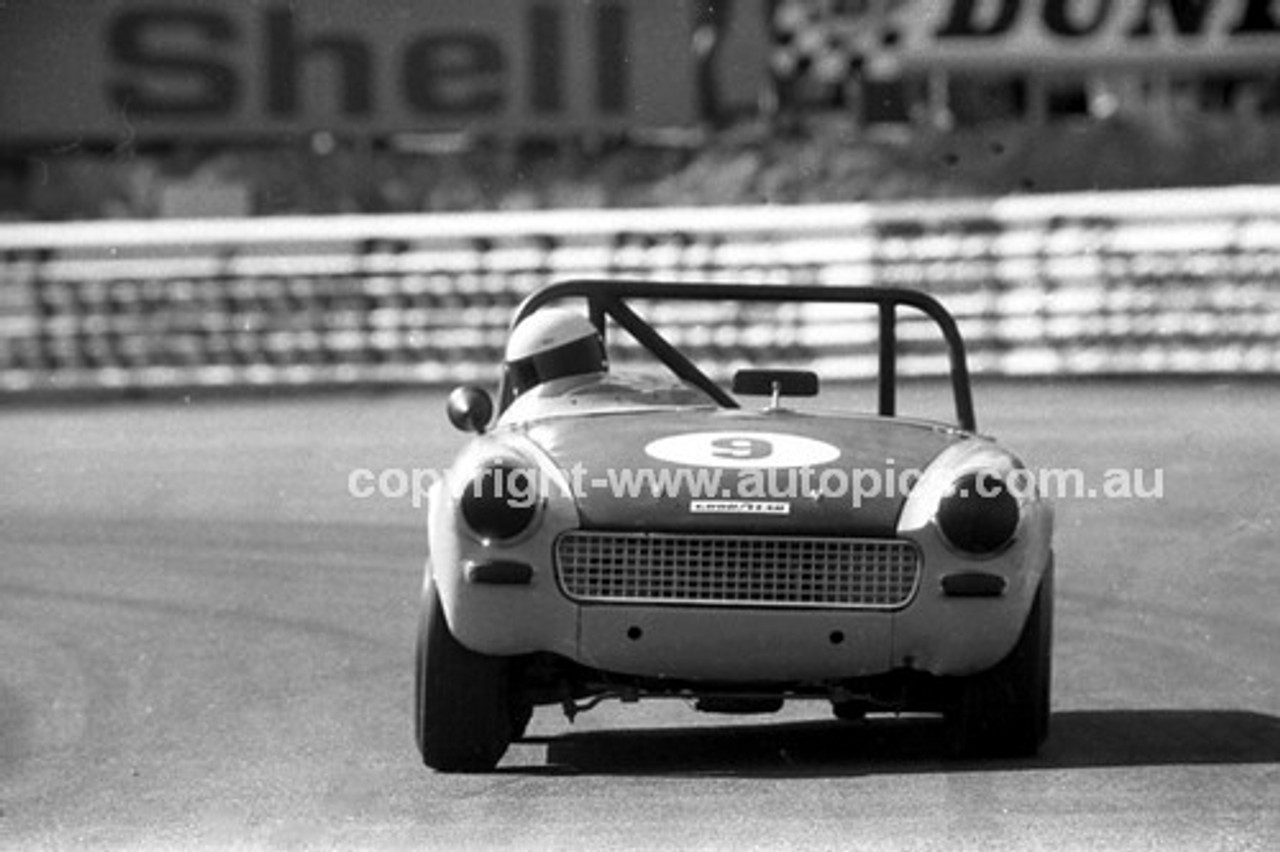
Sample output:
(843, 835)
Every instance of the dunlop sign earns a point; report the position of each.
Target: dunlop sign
(125, 69)
(1073, 35)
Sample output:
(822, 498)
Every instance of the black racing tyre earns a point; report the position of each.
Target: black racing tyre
(463, 714)
(521, 715)
(1004, 711)
(849, 711)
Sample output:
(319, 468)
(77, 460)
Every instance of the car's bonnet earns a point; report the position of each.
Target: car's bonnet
(737, 471)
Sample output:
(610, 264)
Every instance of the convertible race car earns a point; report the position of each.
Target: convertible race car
(606, 535)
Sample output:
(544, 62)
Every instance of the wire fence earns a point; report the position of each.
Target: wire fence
(1138, 283)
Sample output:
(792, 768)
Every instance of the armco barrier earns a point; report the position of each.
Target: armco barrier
(1156, 282)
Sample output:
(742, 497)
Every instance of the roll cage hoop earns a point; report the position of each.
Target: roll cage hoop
(607, 298)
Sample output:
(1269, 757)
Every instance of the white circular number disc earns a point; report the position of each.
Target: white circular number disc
(742, 450)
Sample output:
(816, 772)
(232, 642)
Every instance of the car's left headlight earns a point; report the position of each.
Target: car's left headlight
(974, 498)
(979, 515)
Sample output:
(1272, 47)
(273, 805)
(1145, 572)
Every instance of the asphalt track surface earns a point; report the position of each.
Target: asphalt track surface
(206, 642)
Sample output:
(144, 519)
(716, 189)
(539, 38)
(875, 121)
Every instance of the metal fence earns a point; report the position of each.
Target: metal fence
(1154, 282)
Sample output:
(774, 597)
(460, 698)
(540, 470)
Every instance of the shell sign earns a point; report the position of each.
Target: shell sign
(142, 69)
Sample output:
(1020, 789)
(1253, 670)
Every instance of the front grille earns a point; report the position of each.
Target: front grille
(726, 570)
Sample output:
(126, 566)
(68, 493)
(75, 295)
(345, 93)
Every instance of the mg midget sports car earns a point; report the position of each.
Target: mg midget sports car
(744, 571)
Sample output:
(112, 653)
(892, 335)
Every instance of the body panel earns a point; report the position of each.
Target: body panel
(696, 643)
(731, 455)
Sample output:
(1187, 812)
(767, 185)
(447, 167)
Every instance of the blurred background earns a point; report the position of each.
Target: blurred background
(247, 192)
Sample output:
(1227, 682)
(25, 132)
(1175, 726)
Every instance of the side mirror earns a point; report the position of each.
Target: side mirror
(470, 409)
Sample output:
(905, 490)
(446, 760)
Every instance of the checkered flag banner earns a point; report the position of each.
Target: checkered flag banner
(829, 42)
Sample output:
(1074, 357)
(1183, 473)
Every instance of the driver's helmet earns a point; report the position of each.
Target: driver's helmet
(552, 343)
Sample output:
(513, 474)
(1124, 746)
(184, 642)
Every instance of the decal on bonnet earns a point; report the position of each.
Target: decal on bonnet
(742, 450)
(739, 507)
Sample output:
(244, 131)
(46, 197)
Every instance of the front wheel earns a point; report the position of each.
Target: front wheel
(463, 718)
(1004, 711)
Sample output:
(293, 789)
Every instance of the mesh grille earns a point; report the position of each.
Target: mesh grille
(737, 570)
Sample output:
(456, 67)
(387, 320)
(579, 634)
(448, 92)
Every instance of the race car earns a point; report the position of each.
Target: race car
(606, 535)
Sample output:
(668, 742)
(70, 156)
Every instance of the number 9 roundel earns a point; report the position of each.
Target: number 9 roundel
(742, 450)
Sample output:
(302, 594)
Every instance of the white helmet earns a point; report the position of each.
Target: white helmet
(551, 344)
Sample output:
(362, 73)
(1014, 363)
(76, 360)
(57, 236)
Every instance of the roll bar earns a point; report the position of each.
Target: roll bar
(607, 297)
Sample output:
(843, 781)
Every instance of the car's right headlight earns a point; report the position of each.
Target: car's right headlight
(502, 501)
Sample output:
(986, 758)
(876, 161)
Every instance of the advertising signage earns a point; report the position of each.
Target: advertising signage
(148, 69)
(1077, 36)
